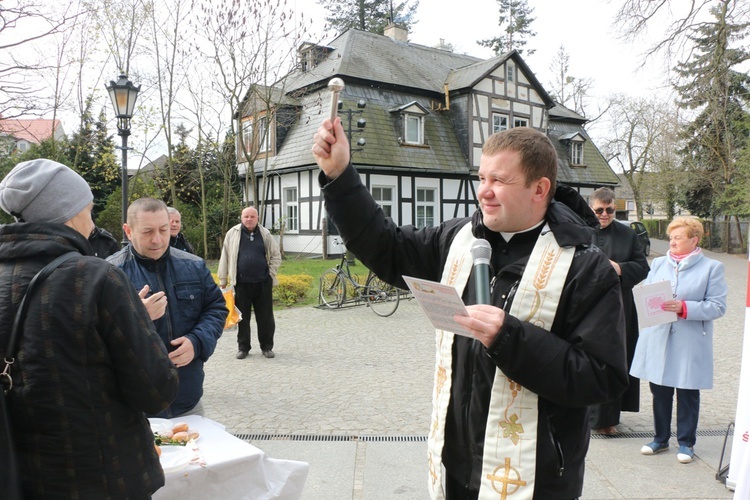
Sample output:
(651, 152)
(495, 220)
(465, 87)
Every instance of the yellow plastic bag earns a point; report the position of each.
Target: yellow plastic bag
(234, 316)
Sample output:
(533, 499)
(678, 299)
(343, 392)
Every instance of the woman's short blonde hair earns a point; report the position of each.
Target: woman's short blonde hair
(693, 226)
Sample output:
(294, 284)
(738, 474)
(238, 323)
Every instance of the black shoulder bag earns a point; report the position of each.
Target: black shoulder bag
(10, 480)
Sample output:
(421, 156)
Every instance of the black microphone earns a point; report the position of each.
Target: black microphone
(481, 252)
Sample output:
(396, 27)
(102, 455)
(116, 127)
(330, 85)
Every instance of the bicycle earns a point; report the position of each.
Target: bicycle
(378, 295)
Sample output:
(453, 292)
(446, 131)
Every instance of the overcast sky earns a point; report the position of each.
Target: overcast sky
(584, 27)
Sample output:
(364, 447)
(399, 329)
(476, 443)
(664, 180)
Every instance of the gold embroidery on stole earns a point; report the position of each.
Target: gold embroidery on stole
(456, 273)
(509, 461)
(510, 441)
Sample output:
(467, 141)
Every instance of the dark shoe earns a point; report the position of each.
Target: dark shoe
(241, 354)
(269, 354)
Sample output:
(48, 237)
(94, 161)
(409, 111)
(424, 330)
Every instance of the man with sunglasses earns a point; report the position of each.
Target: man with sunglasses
(620, 243)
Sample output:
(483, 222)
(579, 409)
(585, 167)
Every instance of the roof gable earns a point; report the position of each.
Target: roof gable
(470, 76)
(411, 107)
(572, 136)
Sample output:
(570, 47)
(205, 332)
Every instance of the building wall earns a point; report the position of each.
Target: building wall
(495, 95)
(450, 196)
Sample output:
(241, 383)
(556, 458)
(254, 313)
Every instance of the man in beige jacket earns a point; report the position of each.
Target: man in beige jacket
(249, 261)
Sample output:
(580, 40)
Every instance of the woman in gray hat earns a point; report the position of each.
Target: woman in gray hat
(89, 363)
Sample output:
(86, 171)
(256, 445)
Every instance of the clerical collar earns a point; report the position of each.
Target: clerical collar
(508, 236)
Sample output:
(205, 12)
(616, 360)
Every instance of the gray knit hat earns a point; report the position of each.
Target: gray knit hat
(44, 191)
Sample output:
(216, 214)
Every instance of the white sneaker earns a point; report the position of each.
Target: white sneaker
(685, 455)
(653, 448)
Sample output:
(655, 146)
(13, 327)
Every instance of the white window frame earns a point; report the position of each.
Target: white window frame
(416, 121)
(264, 135)
(510, 72)
(291, 210)
(246, 137)
(631, 205)
(520, 122)
(253, 139)
(499, 122)
(378, 193)
(423, 206)
(576, 153)
(308, 60)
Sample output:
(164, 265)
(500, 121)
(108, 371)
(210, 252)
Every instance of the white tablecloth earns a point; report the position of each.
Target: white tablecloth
(233, 469)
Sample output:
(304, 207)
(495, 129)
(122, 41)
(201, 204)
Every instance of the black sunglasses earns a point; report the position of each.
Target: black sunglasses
(609, 210)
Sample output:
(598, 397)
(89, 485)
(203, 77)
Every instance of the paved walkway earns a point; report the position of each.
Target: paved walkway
(349, 393)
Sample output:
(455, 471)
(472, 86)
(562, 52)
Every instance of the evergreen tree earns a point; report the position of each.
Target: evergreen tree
(91, 153)
(714, 140)
(185, 175)
(369, 15)
(515, 22)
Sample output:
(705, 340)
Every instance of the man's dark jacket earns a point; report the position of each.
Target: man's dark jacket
(90, 364)
(579, 362)
(195, 309)
(181, 243)
(103, 243)
(620, 244)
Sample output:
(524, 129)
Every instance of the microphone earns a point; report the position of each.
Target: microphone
(481, 252)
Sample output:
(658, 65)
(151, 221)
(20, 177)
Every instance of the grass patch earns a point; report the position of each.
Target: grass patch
(303, 266)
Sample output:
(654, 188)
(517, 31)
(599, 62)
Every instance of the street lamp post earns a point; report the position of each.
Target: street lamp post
(123, 94)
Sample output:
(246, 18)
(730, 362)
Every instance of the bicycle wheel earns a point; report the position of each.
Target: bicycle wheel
(332, 289)
(382, 297)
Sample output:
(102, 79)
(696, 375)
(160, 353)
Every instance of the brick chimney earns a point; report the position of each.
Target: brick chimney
(396, 32)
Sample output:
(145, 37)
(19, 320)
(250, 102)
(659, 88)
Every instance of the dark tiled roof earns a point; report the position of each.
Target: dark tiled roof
(389, 75)
(624, 190)
(597, 171)
(382, 151)
(364, 56)
(561, 113)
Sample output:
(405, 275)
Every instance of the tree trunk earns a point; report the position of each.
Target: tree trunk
(727, 235)
(743, 247)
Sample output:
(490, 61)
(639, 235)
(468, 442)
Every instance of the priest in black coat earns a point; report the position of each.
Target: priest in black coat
(620, 243)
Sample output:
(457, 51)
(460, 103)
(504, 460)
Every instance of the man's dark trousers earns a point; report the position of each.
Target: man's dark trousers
(257, 297)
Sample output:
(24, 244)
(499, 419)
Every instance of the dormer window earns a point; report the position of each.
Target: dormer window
(412, 117)
(576, 153)
(413, 129)
(574, 142)
(257, 136)
(310, 55)
(264, 136)
(307, 60)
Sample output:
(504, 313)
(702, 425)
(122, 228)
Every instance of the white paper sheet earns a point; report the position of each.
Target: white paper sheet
(440, 303)
(648, 300)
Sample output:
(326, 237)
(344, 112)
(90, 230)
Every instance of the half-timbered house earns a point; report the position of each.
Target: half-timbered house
(428, 112)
